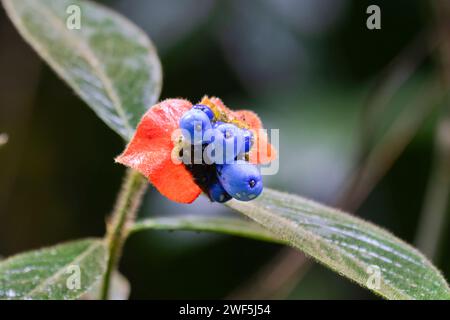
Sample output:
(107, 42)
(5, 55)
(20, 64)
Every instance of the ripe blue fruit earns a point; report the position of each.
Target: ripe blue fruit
(248, 140)
(207, 110)
(195, 122)
(217, 193)
(226, 142)
(241, 180)
(218, 123)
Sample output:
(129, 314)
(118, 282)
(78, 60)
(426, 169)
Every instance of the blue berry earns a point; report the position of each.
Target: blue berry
(241, 180)
(227, 142)
(217, 193)
(207, 110)
(195, 122)
(248, 140)
(218, 123)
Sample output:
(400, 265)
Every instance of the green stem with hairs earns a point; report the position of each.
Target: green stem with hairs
(127, 204)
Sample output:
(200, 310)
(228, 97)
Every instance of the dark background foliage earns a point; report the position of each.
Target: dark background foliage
(305, 66)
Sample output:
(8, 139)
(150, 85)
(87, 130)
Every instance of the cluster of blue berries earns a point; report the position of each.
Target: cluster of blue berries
(223, 171)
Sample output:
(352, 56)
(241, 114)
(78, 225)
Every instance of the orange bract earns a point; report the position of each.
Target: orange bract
(150, 149)
(262, 151)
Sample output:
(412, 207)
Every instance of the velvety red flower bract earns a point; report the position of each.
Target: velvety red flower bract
(150, 149)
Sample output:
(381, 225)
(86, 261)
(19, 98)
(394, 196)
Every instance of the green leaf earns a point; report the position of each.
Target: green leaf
(52, 273)
(119, 289)
(109, 62)
(226, 225)
(348, 245)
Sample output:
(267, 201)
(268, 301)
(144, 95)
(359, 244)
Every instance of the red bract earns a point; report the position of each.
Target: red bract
(262, 151)
(150, 149)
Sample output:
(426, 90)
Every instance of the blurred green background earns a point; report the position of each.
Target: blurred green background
(308, 67)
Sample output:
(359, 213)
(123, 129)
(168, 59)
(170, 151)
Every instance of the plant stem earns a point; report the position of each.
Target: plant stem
(384, 154)
(433, 219)
(436, 206)
(127, 204)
